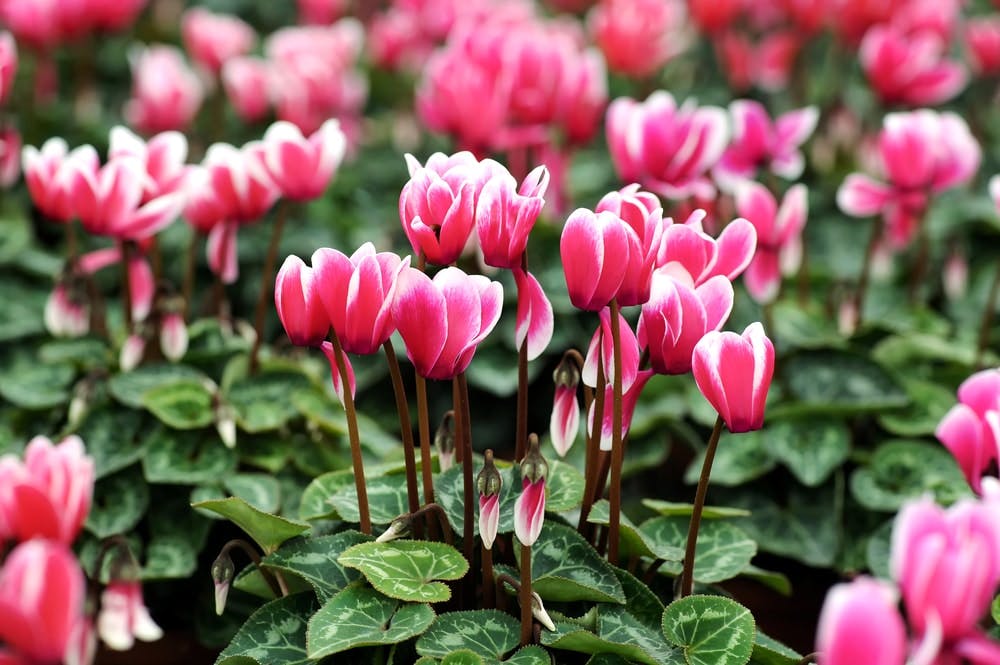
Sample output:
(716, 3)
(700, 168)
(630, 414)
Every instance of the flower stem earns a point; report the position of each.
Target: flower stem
(593, 450)
(463, 440)
(617, 448)
(187, 286)
(248, 549)
(489, 585)
(859, 298)
(406, 430)
(524, 595)
(127, 287)
(267, 285)
(423, 423)
(987, 320)
(687, 576)
(521, 442)
(355, 439)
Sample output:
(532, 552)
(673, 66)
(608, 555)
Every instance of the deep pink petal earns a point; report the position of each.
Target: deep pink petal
(535, 321)
(420, 314)
(529, 511)
(335, 376)
(734, 250)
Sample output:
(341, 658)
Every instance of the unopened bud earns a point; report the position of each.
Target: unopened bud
(398, 528)
(956, 275)
(444, 441)
(533, 466)
(173, 336)
(225, 423)
(223, 572)
(566, 373)
(489, 481)
(538, 611)
(132, 351)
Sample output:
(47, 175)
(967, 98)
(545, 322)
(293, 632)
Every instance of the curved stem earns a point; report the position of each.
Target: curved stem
(355, 439)
(423, 423)
(987, 320)
(687, 575)
(617, 451)
(267, 285)
(406, 431)
(277, 589)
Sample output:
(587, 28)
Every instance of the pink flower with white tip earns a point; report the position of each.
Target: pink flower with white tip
(595, 249)
(240, 180)
(702, 256)
(247, 82)
(909, 68)
(124, 617)
(49, 175)
(758, 142)
(443, 320)
(638, 37)
(971, 429)
(529, 508)
(644, 215)
(489, 482)
(922, 153)
(303, 167)
(166, 93)
(212, 39)
(299, 305)
(162, 157)
(49, 494)
(506, 214)
(666, 147)
(733, 373)
(859, 623)
(779, 236)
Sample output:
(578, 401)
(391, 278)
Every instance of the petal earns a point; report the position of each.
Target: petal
(535, 321)
(335, 376)
(529, 512)
(860, 196)
(734, 249)
(419, 312)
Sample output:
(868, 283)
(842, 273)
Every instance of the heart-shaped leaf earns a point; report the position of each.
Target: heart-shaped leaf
(633, 541)
(129, 387)
(262, 402)
(711, 629)
(488, 633)
(186, 458)
(317, 498)
(565, 567)
(386, 498)
(276, 633)
(811, 448)
(315, 561)
(723, 551)
(903, 470)
(184, 404)
(408, 569)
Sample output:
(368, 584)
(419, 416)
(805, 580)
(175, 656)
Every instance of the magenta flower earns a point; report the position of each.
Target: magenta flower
(240, 180)
(629, 352)
(357, 293)
(947, 564)
(779, 236)
(733, 373)
(859, 623)
(124, 616)
(49, 175)
(758, 142)
(982, 41)
(303, 167)
(212, 39)
(678, 314)
(565, 421)
(909, 68)
(644, 215)
(163, 158)
(595, 250)
(638, 37)
(535, 321)
(703, 256)
(299, 304)
(166, 93)
(443, 320)
(669, 149)
(41, 601)
(49, 494)
(505, 217)
(971, 429)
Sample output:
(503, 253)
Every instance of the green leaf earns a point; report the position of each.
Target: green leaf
(170, 557)
(487, 633)
(184, 404)
(810, 448)
(129, 387)
(738, 459)
(878, 550)
(315, 561)
(620, 634)
(323, 410)
(274, 634)
(633, 542)
(670, 508)
(565, 567)
(386, 498)
(186, 458)
(120, 501)
(21, 307)
(641, 602)
(262, 402)
(15, 236)
(563, 487)
(113, 439)
(769, 578)
(260, 490)
(929, 402)
(449, 494)
(769, 651)
(359, 616)
(837, 382)
(407, 569)
(317, 498)
(903, 470)
(269, 531)
(712, 630)
(804, 327)
(34, 385)
(81, 352)
(722, 552)
(462, 657)
(995, 610)
(530, 655)
(269, 452)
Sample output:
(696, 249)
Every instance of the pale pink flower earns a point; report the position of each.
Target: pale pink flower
(212, 39)
(733, 373)
(166, 93)
(124, 616)
(301, 167)
(779, 236)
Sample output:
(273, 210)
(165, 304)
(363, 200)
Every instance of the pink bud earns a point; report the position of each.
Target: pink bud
(489, 518)
(132, 352)
(300, 308)
(909, 68)
(565, 421)
(955, 276)
(212, 39)
(859, 623)
(733, 373)
(529, 511)
(594, 248)
(173, 336)
(124, 616)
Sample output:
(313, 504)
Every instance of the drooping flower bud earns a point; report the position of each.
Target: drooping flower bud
(538, 611)
(529, 509)
(223, 572)
(398, 528)
(444, 441)
(565, 422)
(489, 482)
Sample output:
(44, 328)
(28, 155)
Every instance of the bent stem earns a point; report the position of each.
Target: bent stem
(406, 431)
(463, 441)
(687, 575)
(423, 423)
(267, 285)
(617, 450)
(276, 588)
(355, 439)
(524, 595)
(987, 320)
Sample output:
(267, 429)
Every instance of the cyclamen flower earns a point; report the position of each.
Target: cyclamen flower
(760, 143)
(779, 236)
(124, 616)
(505, 217)
(535, 321)
(565, 421)
(644, 215)
(765, 62)
(49, 175)
(166, 93)
(212, 39)
(247, 82)
(443, 320)
(299, 305)
(8, 64)
(982, 41)
(702, 256)
(733, 373)
(909, 68)
(303, 167)
(595, 250)
(971, 428)
(859, 623)
(638, 37)
(162, 158)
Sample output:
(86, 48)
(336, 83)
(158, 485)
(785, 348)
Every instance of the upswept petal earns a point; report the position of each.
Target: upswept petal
(763, 276)
(419, 311)
(735, 248)
(142, 287)
(962, 433)
(221, 250)
(535, 321)
(716, 296)
(587, 243)
(981, 391)
(756, 203)
(861, 196)
(332, 272)
(338, 384)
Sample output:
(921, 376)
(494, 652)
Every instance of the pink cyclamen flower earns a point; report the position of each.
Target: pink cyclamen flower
(971, 429)
(711, 16)
(505, 215)
(595, 250)
(702, 256)
(779, 236)
(758, 142)
(733, 373)
(859, 623)
(982, 41)
(535, 321)
(947, 564)
(10, 157)
(303, 167)
(565, 421)
(601, 345)
(443, 320)
(529, 508)
(8, 64)
(630, 397)
(357, 294)
(247, 82)
(921, 153)
(212, 39)
(678, 314)
(909, 68)
(299, 305)
(320, 12)
(239, 180)
(41, 601)
(166, 93)
(49, 175)
(638, 37)
(162, 157)
(124, 616)
(49, 494)
(667, 148)
(437, 207)
(644, 215)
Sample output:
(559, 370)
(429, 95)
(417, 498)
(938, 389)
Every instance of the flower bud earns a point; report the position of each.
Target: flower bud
(533, 466)
(489, 483)
(398, 528)
(444, 441)
(223, 572)
(538, 611)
